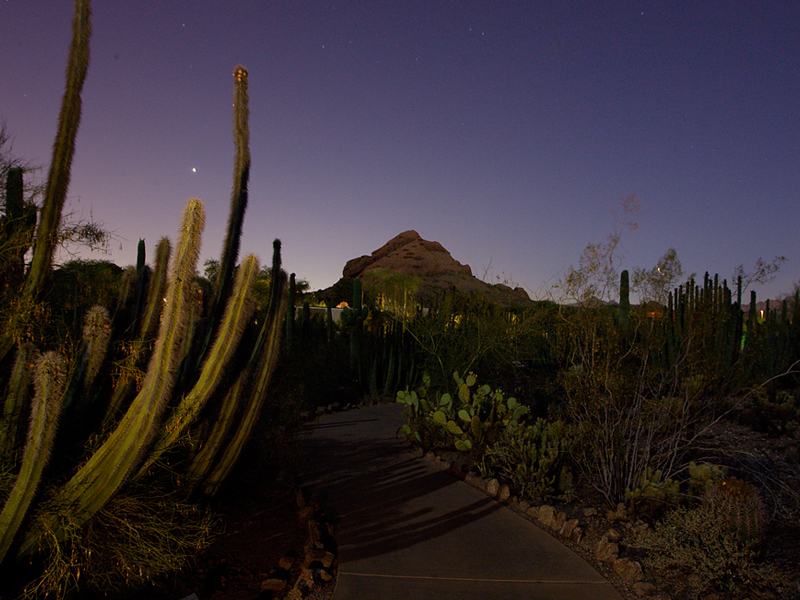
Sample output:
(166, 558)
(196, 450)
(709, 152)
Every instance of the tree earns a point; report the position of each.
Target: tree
(655, 285)
(762, 272)
(596, 279)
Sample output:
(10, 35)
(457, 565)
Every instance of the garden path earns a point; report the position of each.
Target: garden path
(406, 530)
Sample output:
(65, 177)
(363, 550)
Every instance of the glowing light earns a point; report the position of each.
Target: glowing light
(194, 170)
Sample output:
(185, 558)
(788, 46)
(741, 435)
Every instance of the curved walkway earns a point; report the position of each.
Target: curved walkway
(406, 530)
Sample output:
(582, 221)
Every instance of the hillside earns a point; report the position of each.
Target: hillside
(428, 264)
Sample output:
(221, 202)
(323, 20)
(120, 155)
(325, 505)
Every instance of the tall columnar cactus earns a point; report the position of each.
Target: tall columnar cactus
(290, 311)
(49, 386)
(16, 230)
(147, 325)
(63, 149)
(16, 397)
(230, 247)
(353, 319)
(220, 451)
(108, 468)
(92, 353)
(624, 299)
(238, 312)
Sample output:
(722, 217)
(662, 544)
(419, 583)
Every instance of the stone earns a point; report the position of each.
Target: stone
(606, 550)
(629, 570)
(613, 536)
(286, 563)
(569, 527)
(533, 512)
(304, 514)
(273, 585)
(493, 487)
(325, 575)
(577, 534)
(547, 515)
(589, 512)
(504, 493)
(644, 588)
(559, 521)
(523, 506)
(474, 479)
(407, 253)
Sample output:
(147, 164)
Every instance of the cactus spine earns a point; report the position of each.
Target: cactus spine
(49, 386)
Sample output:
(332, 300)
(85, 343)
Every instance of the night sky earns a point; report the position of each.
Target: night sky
(507, 131)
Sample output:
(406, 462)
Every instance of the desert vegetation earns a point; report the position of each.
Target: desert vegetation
(130, 394)
(630, 407)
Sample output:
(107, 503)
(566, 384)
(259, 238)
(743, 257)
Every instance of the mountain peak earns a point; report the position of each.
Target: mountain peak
(408, 253)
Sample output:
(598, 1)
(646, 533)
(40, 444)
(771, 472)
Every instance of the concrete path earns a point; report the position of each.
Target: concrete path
(409, 531)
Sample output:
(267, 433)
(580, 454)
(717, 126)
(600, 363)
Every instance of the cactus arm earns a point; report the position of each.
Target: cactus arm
(49, 385)
(107, 469)
(147, 329)
(63, 149)
(241, 174)
(155, 292)
(237, 314)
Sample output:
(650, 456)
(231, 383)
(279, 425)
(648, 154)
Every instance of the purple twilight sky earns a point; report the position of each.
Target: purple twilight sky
(505, 130)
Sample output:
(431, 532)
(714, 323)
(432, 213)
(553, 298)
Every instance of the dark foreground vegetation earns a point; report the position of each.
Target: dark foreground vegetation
(129, 395)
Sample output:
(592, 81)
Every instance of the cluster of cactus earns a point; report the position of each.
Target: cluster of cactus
(739, 505)
(533, 456)
(703, 476)
(352, 319)
(471, 420)
(773, 413)
(653, 487)
(193, 366)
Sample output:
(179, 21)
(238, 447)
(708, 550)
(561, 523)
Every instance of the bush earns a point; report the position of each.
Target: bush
(703, 551)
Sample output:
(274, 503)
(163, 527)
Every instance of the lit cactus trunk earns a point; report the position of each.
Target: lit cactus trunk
(63, 149)
(49, 385)
(237, 314)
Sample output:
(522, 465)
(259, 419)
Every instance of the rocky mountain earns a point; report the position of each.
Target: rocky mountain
(432, 264)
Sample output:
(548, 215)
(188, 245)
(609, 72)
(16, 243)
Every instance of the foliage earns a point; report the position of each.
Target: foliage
(596, 278)
(656, 284)
(141, 534)
(700, 546)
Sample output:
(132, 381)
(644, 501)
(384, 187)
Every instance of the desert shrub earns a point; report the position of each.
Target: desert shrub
(139, 535)
(706, 548)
